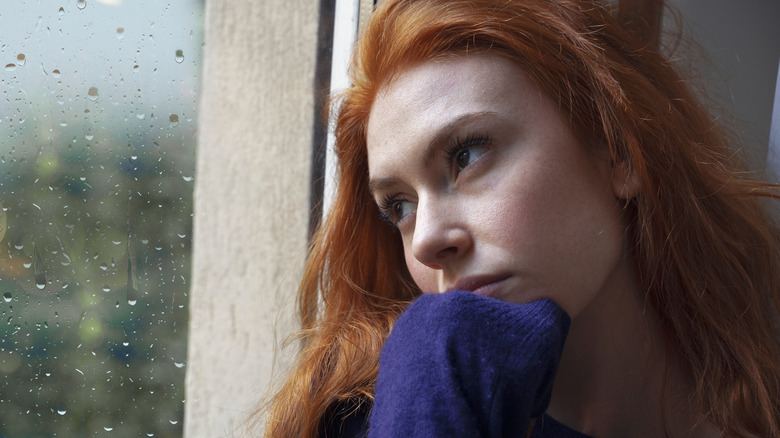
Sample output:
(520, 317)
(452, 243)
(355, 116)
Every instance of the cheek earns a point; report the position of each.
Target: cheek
(423, 276)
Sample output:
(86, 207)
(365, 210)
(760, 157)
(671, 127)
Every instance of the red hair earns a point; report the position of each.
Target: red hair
(705, 249)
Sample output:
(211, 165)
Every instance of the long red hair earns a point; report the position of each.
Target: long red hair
(704, 246)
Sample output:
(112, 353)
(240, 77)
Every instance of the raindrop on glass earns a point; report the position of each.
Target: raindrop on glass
(104, 266)
(93, 94)
(174, 119)
(10, 67)
(62, 411)
(174, 421)
(108, 429)
(179, 365)
(21, 59)
(132, 282)
(61, 11)
(140, 116)
(106, 288)
(89, 137)
(179, 56)
(120, 32)
(7, 297)
(56, 73)
(136, 68)
(81, 4)
(40, 277)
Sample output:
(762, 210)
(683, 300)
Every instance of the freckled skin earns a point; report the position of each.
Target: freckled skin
(534, 208)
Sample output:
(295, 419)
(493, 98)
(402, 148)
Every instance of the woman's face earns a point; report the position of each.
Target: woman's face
(491, 192)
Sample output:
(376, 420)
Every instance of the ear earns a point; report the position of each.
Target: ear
(625, 183)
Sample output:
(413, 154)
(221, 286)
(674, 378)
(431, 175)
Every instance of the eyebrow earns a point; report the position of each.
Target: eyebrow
(439, 138)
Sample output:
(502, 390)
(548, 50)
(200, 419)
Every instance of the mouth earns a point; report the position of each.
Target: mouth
(484, 285)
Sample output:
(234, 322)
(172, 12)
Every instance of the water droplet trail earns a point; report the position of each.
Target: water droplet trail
(40, 277)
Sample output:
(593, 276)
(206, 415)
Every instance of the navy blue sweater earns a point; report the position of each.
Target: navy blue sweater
(461, 365)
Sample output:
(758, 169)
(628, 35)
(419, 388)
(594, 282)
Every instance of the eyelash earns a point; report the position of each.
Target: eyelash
(386, 209)
(457, 146)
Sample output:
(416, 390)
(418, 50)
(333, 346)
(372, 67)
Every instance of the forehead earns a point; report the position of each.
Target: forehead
(419, 101)
(454, 78)
(432, 78)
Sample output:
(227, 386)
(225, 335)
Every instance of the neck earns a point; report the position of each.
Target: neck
(612, 379)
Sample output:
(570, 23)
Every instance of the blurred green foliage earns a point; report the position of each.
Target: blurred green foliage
(94, 274)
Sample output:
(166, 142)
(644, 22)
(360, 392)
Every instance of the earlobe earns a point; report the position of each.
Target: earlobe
(625, 182)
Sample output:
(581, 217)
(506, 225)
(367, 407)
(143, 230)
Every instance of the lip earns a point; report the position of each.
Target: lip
(485, 285)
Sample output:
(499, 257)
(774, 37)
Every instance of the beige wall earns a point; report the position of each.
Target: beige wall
(251, 202)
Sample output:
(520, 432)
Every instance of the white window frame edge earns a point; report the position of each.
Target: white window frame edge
(773, 154)
(345, 31)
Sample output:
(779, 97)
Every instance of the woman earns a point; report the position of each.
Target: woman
(546, 159)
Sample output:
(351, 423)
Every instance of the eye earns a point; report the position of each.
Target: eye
(462, 153)
(468, 156)
(395, 208)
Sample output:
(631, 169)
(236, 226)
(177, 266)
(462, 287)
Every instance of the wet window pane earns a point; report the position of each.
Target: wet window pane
(97, 158)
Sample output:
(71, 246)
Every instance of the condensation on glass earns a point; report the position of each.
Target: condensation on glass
(97, 158)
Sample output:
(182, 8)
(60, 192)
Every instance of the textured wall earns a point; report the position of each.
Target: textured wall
(251, 202)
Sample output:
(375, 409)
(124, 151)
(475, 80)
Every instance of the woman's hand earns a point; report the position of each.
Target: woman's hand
(458, 364)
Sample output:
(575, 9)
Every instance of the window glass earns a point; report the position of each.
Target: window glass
(97, 158)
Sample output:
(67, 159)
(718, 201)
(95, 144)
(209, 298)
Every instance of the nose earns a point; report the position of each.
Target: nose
(441, 237)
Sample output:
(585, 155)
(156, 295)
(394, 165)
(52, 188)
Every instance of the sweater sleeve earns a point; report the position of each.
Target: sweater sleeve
(458, 364)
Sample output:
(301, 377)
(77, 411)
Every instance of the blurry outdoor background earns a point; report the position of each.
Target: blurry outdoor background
(97, 158)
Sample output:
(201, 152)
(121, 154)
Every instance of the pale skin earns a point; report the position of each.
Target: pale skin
(491, 192)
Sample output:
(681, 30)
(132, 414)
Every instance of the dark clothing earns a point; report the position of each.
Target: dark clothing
(461, 365)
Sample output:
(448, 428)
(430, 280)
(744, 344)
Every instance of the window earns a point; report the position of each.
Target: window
(98, 132)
